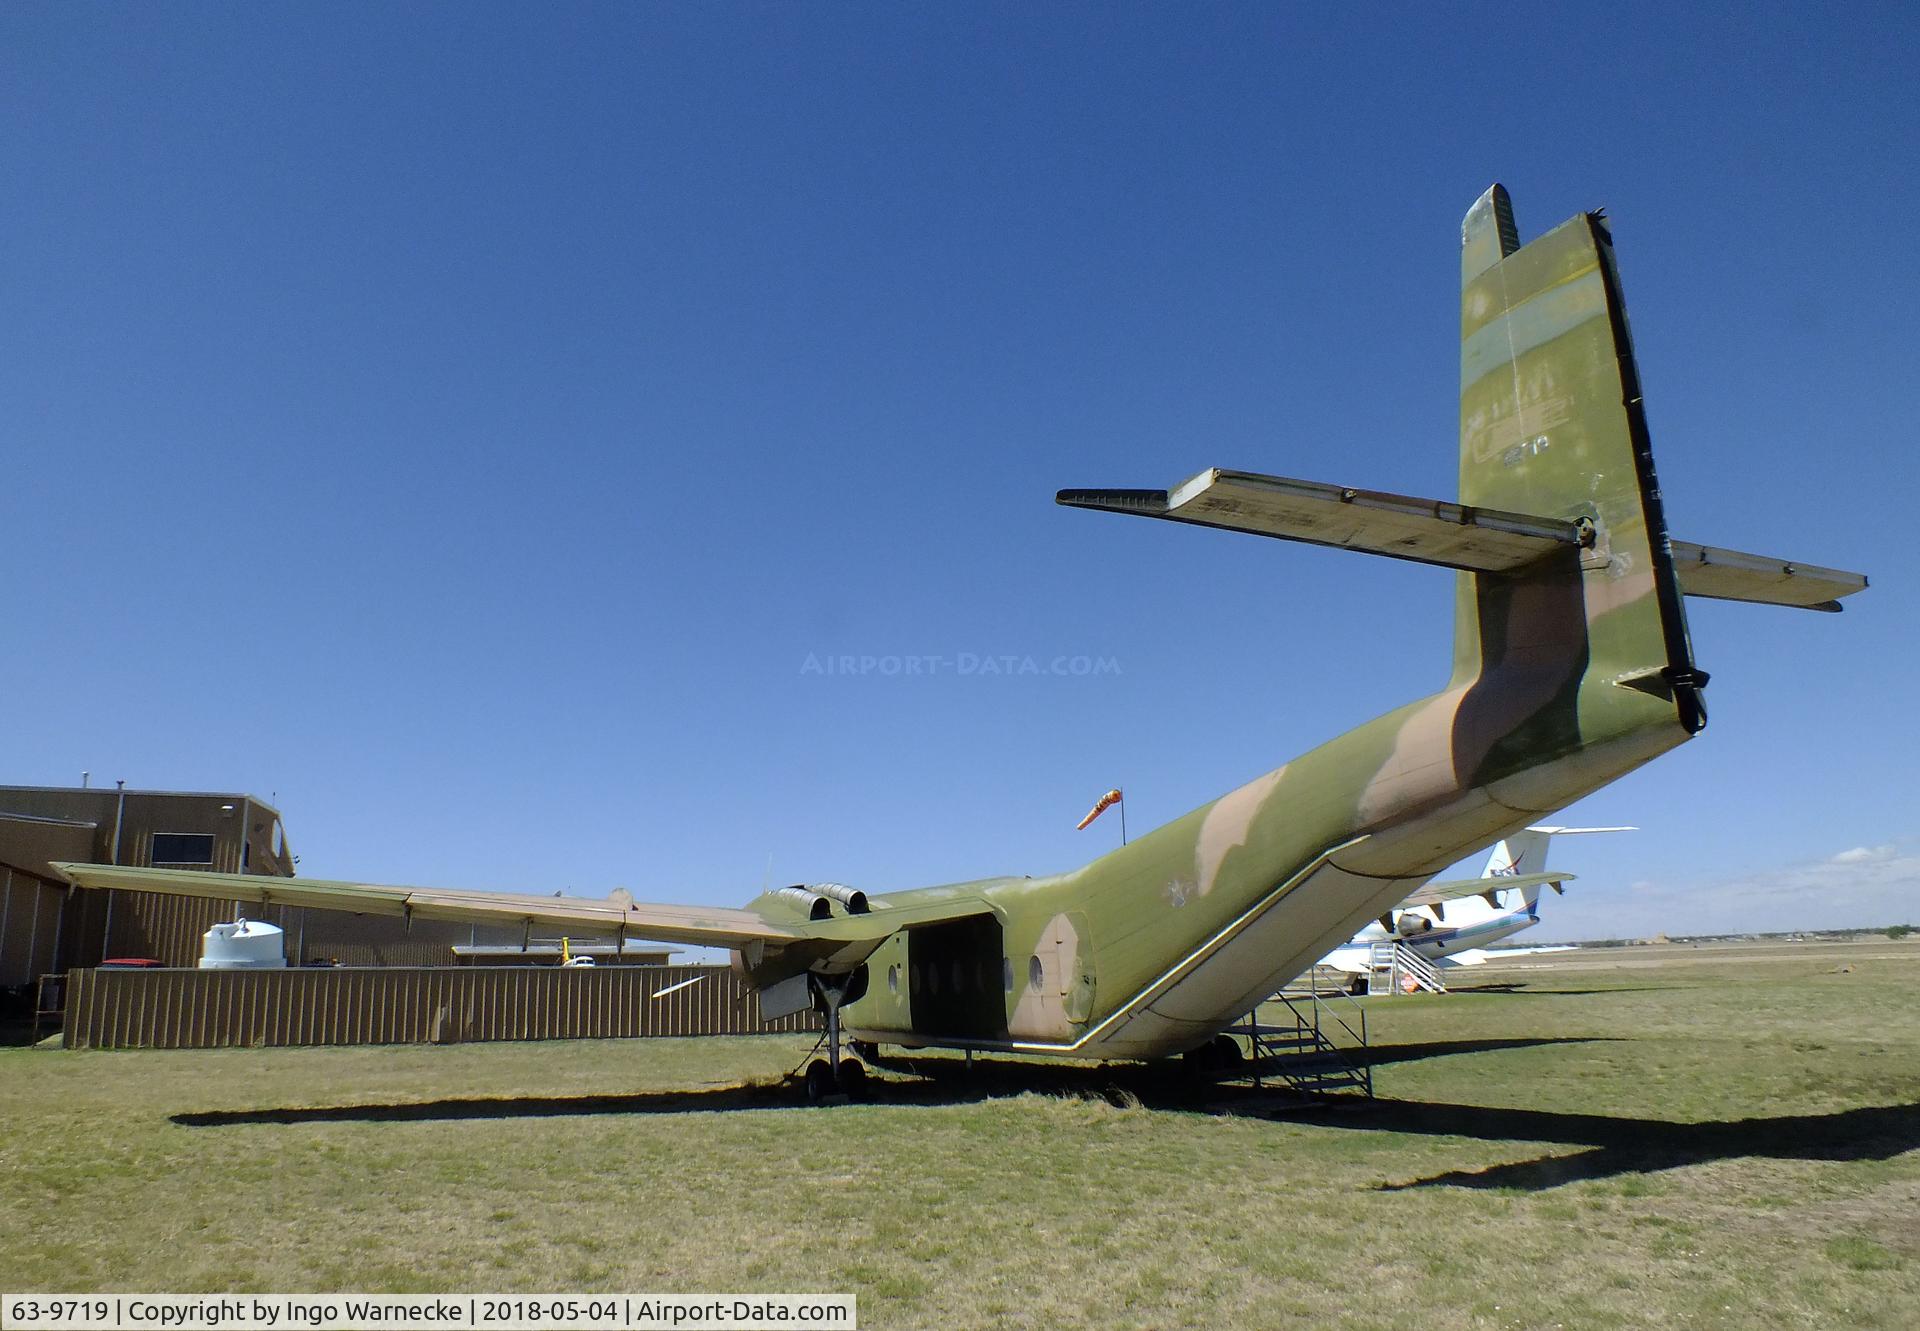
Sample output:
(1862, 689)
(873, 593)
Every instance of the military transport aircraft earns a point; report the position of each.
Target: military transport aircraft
(1571, 667)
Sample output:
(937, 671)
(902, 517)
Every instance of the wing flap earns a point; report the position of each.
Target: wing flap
(1731, 575)
(1426, 531)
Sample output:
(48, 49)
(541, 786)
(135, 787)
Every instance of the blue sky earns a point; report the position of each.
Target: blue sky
(464, 423)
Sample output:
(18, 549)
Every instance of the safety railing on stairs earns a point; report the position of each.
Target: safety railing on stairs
(1318, 1048)
(1395, 968)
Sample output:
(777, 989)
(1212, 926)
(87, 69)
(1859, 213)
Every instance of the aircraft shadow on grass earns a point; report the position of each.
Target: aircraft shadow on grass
(1615, 1144)
(935, 1081)
(1619, 1145)
(1524, 990)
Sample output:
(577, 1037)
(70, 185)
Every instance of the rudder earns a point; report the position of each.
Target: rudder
(1552, 423)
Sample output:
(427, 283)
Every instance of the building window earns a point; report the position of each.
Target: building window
(182, 849)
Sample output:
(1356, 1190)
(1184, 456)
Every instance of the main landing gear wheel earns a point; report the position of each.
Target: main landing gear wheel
(833, 1079)
(1218, 1057)
(853, 1077)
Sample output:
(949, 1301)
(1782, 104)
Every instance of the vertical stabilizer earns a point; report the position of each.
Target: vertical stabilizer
(1525, 852)
(1487, 233)
(1551, 423)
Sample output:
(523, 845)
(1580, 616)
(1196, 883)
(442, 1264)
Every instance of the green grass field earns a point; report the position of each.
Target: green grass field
(1646, 1138)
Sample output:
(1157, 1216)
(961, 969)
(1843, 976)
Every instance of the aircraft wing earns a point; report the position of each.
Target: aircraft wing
(1435, 893)
(1480, 956)
(1346, 960)
(835, 944)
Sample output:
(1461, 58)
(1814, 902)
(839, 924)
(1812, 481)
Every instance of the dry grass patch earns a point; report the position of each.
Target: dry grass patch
(1691, 1144)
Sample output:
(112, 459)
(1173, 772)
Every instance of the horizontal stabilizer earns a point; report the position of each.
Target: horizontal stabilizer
(1439, 893)
(1427, 531)
(1435, 531)
(1729, 575)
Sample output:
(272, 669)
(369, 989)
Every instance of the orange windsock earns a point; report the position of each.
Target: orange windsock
(1105, 802)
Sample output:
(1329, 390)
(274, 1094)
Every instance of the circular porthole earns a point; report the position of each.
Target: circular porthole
(1036, 974)
(893, 979)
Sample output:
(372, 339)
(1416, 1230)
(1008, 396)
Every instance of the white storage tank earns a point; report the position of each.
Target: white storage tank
(244, 945)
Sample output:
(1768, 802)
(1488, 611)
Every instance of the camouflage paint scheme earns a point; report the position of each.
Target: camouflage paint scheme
(1565, 678)
(1567, 674)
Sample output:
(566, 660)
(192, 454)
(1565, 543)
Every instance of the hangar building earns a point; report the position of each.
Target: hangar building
(44, 928)
(47, 929)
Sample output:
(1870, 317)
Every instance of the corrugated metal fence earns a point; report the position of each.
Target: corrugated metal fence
(29, 926)
(195, 1009)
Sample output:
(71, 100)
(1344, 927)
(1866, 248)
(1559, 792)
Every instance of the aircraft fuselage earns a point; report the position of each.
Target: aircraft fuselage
(1155, 947)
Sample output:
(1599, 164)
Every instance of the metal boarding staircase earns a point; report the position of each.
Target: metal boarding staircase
(1313, 1049)
(1394, 968)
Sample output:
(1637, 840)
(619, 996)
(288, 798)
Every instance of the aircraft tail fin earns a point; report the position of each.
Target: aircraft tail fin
(1552, 424)
(1570, 629)
(1525, 854)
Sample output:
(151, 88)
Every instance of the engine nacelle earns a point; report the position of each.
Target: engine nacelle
(817, 906)
(851, 897)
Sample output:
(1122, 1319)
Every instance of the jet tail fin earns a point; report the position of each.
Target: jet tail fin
(1525, 852)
